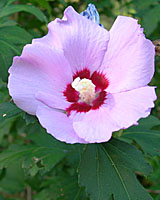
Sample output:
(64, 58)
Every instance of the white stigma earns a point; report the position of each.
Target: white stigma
(86, 89)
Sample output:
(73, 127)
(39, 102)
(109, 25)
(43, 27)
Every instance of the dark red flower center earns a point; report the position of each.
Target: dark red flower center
(86, 92)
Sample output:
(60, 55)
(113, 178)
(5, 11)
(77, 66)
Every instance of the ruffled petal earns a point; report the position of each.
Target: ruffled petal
(57, 124)
(121, 110)
(129, 60)
(84, 42)
(38, 69)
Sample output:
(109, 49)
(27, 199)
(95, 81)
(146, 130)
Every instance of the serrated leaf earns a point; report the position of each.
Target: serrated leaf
(64, 187)
(40, 138)
(46, 157)
(32, 155)
(148, 140)
(145, 124)
(8, 110)
(13, 154)
(107, 169)
(11, 9)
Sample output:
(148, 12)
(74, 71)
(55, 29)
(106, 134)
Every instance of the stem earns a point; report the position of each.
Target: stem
(29, 193)
(153, 191)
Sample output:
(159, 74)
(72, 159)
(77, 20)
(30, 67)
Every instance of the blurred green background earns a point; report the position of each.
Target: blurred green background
(30, 174)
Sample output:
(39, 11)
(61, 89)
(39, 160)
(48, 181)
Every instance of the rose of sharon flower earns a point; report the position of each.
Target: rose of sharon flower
(83, 82)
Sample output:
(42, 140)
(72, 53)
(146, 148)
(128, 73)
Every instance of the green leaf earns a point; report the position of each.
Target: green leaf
(3, 92)
(148, 139)
(9, 10)
(5, 3)
(143, 4)
(34, 157)
(12, 39)
(107, 169)
(7, 44)
(30, 119)
(14, 153)
(2, 3)
(151, 19)
(15, 35)
(5, 126)
(9, 2)
(8, 110)
(6, 22)
(13, 181)
(145, 124)
(41, 138)
(51, 153)
(3, 67)
(44, 4)
(42, 158)
(64, 187)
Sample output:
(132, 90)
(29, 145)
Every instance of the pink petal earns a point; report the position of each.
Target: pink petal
(58, 125)
(84, 42)
(121, 110)
(53, 101)
(38, 69)
(95, 126)
(129, 61)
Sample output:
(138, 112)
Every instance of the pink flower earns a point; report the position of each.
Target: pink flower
(83, 82)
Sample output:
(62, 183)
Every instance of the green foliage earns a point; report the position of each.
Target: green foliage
(149, 17)
(11, 9)
(108, 169)
(8, 109)
(42, 156)
(148, 11)
(64, 187)
(13, 38)
(14, 171)
(29, 119)
(145, 136)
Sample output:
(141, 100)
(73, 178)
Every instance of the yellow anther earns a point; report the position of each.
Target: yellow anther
(86, 89)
